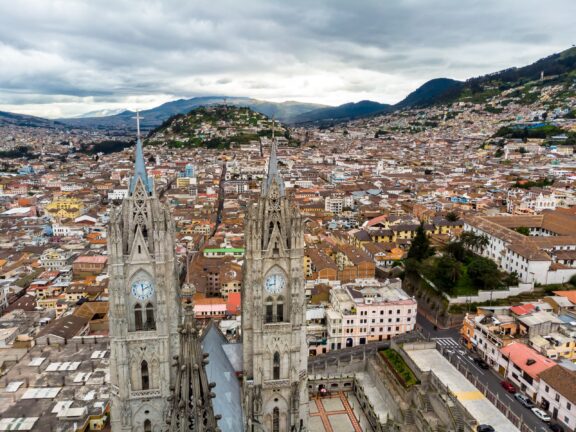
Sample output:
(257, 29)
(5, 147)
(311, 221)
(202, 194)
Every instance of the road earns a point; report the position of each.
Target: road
(449, 343)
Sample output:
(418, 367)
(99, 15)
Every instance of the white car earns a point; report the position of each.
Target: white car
(541, 414)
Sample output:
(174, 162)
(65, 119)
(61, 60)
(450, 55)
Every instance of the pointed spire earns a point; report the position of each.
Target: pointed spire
(191, 399)
(139, 164)
(273, 173)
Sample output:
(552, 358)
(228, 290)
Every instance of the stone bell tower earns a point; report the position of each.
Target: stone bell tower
(275, 386)
(144, 306)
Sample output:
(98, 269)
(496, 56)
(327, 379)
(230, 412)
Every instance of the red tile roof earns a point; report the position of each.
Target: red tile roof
(523, 309)
(521, 354)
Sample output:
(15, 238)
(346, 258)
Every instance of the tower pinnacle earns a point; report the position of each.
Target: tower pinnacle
(139, 164)
(273, 175)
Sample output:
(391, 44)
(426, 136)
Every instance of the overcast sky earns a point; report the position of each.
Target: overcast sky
(67, 57)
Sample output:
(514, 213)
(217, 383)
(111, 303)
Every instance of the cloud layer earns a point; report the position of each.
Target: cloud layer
(64, 57)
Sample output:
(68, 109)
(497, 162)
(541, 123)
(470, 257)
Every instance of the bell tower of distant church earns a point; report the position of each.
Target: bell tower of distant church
(144, 306)
(275, 386)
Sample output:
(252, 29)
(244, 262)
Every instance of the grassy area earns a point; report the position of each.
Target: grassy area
(464, 285)
(397, 362)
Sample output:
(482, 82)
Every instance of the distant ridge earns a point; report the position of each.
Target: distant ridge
(8, 118)
(283, 111)
(432, 92)
(348, 111)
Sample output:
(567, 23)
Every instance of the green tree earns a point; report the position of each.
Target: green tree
(420, 248)
(447, 273)
(523, 230)
(499, 153)
(452, 216)
(484, 273)
(511, 279)
(456, 250)
(474, 241)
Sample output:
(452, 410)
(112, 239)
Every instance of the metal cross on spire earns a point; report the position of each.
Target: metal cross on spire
(139, 164)
(138, 118)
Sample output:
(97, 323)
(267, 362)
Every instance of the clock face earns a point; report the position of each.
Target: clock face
(142, 289)
(275, 283)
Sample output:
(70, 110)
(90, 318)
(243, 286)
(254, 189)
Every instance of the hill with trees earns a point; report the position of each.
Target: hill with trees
(216, 127)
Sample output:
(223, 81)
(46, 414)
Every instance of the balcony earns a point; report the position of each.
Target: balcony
(280, 383)
(145, 394)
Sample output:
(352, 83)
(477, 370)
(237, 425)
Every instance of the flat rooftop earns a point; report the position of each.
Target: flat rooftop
(469, 396)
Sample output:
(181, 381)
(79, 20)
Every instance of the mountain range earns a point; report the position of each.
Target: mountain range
(561, 66)
(283, 111)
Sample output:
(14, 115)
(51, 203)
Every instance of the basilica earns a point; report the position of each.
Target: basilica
(161, 363)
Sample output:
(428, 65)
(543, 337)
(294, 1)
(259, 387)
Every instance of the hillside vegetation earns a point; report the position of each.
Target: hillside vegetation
(216, 127)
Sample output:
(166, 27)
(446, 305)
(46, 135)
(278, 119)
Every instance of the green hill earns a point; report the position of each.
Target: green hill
(215, 127)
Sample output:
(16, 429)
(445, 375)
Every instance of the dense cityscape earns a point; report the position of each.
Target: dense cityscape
(233, 264)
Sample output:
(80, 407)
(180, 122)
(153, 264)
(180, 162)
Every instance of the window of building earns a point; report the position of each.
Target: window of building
(138, 317)
(568, 406)
(269, 310)
(150, 323)
(147, 426)
(144, 375)
(276, 420)
(280, 309)
(276, 366)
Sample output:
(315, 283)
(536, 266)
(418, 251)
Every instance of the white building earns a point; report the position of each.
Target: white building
(54, 259)
(540, 257)
(337, 202)
(557, 393)
(117, 194)
(368, 310)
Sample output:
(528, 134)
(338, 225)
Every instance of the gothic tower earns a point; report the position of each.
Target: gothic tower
(144, 306)
(275, 386)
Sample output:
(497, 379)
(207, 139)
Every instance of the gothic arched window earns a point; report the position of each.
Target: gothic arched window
(150, 323)
(144, 374)
(276, 366)
(280, 309)
(276, 420)
(138, 317)
(269, 310)
(147, 426)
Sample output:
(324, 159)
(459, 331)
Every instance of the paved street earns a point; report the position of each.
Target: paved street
(448, 342)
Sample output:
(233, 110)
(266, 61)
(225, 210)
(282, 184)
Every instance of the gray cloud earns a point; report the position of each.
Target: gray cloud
(61, 57)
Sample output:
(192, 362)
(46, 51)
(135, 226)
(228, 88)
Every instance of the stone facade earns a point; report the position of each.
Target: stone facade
(144, 307)
(275, 390)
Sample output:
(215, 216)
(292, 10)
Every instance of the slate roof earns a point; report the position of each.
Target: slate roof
(220, 370)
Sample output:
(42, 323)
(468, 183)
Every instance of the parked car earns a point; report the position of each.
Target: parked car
(481, 363)
(484, 428)
(555, 427)
(508, 386)
(524, 400)
(541, 414)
